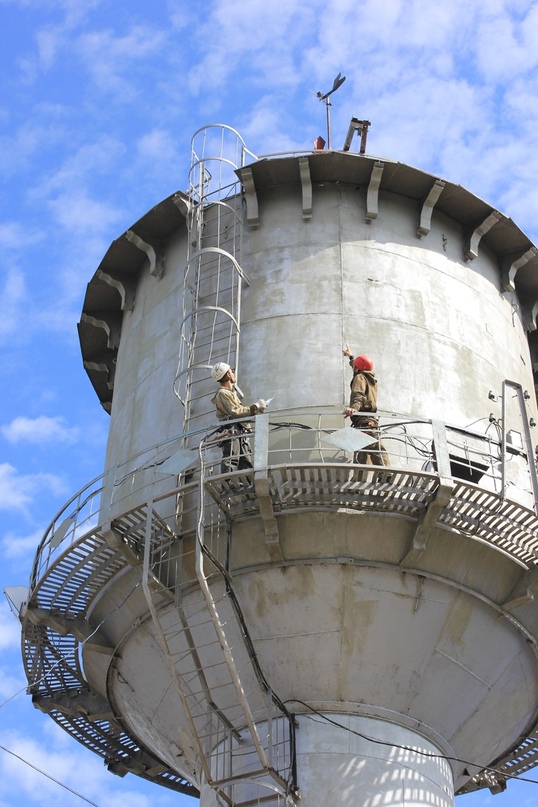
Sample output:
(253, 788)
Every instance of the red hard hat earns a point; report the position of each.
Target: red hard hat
(363, 363)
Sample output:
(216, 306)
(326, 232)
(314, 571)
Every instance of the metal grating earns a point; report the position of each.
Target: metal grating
(52, 660)
(471, 510)
(485, 515)
(74, 570)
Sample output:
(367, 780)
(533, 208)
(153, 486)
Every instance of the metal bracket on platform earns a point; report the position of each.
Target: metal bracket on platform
(430, 516)
(114, 539)
(81, 629)
(530, 578)
(426, 522)
(103, 363)
(262, 487)
(73, 702)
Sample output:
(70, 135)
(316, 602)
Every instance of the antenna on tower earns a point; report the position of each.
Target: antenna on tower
(339, 80)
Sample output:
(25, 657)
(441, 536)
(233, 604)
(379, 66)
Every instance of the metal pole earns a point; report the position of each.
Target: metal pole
(503, 442)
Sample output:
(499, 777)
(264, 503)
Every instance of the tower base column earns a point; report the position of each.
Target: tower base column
(350, 761)
(367, 762)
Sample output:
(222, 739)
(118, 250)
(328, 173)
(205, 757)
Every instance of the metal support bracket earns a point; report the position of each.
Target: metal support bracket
(427, 522)
(306, 184)
(471, 246)
(427, 208)
(251, 197)
(73, 702)
(125, 286)
(510, 268)
(529, 316)
(430, 516)
(524, 599)
(262, 487)
(372, 196)
(114, 540)
(183, 203)
(81, 629)
(109, 322)
(104, 363)
(156, 261)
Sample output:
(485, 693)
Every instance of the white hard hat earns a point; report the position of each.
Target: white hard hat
(220, 370)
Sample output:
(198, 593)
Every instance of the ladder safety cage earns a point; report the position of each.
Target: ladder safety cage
(211, 303)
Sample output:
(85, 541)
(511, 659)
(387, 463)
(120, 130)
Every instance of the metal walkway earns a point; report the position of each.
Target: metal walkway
(75, 564)
(56, 628)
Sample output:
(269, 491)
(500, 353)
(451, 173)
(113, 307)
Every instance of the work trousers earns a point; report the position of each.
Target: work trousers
(374, 454)
(236, 450)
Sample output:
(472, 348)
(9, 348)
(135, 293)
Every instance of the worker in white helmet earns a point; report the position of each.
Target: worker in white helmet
(236, 451)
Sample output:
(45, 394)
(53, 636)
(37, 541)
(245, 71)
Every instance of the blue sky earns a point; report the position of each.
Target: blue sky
(98, 101)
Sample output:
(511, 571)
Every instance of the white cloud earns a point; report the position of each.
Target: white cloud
(55, 754)
(44, 127)
(180, 14)
(53, 38)
(157, 145)
(12, 296)
(265, 127)
(68, 193)
(10, 630)
(236, 29)
(48, 42)
(18, 490)
(12, 684)
(57, 764)
(508, 46)
(91, 159)
(39, 430)
(16, 236)
(78, 213)
(110, 58)
(21, 548)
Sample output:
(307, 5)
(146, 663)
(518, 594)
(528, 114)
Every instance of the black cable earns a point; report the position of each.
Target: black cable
(71, 653)
(503, 774)
(62, 659)
(56, 781)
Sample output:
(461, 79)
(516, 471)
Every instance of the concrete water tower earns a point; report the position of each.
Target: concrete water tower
(308, 629)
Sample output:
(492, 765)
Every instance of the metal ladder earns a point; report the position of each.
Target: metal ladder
(213, 278)
(223, 692)
(231, 711)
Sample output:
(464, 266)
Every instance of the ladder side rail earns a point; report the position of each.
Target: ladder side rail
(166, 650)
(206, 590)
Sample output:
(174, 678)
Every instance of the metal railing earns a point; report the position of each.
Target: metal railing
(172, 508)
(213, 278)
(309, 460)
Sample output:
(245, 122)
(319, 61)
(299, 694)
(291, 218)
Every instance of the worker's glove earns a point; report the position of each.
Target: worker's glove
(261, 405)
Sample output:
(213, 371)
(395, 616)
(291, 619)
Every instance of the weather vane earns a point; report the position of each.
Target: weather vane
(339, 80)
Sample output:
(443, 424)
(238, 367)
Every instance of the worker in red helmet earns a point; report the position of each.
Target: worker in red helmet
(363, 398)
(236, 451)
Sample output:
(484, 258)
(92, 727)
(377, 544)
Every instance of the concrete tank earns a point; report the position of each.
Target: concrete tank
(308, 627)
